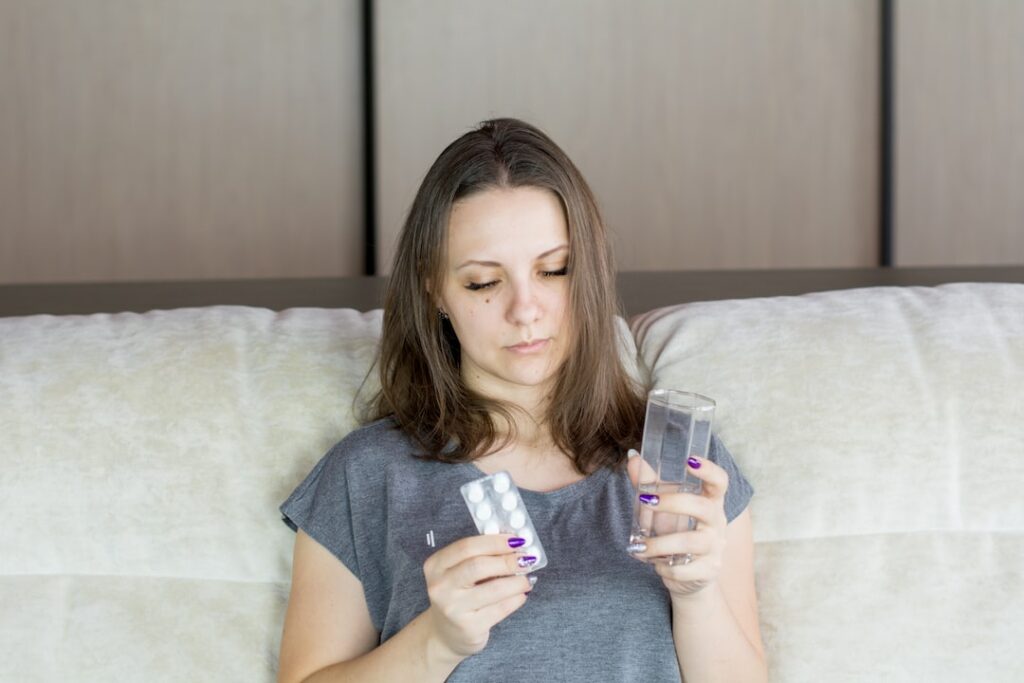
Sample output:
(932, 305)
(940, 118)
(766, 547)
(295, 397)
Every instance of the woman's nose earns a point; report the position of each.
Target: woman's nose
(524, 308)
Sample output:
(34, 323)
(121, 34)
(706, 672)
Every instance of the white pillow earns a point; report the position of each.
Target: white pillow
(143, 458)
(883, 431)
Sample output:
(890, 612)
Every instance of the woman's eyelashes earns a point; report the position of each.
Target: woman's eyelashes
(564, 270)
(476, 286)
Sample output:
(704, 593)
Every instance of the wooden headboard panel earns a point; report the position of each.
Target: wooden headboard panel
(640, 291)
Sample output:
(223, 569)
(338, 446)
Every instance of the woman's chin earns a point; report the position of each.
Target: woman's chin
(530, 379)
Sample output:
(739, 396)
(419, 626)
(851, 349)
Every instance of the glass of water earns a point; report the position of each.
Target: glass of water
(677, 426)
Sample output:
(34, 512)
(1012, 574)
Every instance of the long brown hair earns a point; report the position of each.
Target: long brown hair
(596, 410)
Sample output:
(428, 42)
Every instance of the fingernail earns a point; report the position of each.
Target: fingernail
(636, 548)
(649, 499)
(516, 542)
(693, 462)
(527, 560)
(632, 453)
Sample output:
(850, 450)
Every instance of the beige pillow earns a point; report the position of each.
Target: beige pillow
(143, 458)
(883, 431)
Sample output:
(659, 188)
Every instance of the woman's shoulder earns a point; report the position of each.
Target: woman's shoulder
(362, 456)
(377, 439)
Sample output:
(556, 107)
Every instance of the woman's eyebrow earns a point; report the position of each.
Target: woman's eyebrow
(495, 264)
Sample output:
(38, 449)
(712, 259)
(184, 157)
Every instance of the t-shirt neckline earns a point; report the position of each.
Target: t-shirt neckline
(561, 495)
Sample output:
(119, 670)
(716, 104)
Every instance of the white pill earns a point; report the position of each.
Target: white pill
(533, 550)
(475, 493)
(483, 511)
(501, 482)
(492, 527)
(517, 519)
(509, 501)
(526, 535)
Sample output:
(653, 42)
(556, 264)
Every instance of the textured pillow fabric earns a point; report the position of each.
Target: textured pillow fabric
(143, 458)
(883, 430)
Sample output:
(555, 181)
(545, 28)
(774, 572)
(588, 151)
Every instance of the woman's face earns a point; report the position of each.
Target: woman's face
(506, 291)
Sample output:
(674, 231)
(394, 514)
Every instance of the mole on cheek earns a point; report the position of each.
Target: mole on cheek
(487, 301)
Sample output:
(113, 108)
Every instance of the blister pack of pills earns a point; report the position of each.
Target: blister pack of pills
(497, 508)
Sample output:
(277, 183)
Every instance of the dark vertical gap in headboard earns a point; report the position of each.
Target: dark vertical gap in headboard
(369, 148)
(887, 123)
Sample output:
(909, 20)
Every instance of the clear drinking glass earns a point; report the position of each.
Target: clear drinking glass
(677, 425)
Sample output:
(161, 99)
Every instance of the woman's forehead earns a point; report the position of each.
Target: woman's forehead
(499, 224)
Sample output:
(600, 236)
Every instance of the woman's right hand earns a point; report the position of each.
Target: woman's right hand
(473, 584)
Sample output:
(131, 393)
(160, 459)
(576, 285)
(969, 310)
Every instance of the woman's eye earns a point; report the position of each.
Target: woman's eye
(474, 286)
(554, 273)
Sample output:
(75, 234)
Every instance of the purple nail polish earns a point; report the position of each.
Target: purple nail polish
(516, 542)
(693, 462)
(649, 499)
(526, 560)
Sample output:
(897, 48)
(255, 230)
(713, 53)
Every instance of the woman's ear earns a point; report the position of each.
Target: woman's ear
(435, 299)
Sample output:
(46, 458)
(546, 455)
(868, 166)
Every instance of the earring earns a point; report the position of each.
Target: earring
(441, 315)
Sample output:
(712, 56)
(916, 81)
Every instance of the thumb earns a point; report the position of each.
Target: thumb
(639, 470)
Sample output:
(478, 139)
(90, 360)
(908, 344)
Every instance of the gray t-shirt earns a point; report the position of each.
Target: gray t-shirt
(595, 614)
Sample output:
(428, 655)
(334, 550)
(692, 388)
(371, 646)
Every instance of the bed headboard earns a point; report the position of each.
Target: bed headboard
(639, 291)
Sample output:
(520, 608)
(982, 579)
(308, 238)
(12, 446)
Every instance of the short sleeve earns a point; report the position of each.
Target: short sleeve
(738, 495)
(342, 505)
(322, 507)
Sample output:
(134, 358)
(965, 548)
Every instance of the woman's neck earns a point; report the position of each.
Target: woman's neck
(530, 428)
(533, 460)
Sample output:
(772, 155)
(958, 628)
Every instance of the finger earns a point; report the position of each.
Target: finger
(490, 615)
(695, 572)
(470, 546)
(639, 470)
(472, 571)
(696, 505)
(531, 580)
(696, 543)
(716, 480)
(489, 603)
(501, 587)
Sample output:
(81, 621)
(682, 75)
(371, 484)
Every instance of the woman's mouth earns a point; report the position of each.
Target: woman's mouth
(529, 347)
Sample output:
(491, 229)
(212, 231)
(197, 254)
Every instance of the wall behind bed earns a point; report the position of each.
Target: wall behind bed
(233, 139)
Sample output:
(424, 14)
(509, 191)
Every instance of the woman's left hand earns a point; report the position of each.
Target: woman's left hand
(705, 545)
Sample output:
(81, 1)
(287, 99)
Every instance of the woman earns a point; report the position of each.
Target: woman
(497, 353)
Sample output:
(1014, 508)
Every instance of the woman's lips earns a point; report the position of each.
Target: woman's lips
(532, 347)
